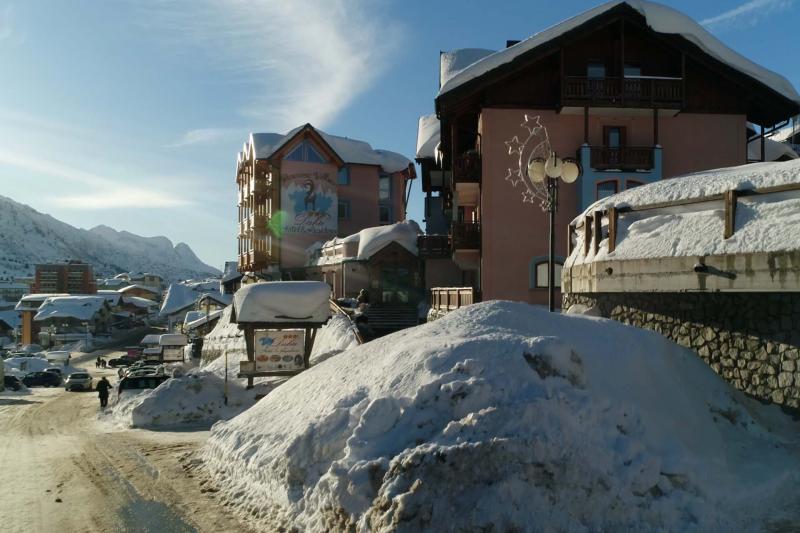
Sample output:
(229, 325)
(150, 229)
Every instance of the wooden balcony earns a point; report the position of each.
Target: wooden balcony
(622, 92)
(452, 298)
(465, 235)
(434, 246)
(254, 260)
(627, 158)
(467, 168)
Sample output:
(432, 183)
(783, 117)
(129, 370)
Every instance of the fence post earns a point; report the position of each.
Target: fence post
(613, 216)
(730, 213)
(587, 234)
(598, 229)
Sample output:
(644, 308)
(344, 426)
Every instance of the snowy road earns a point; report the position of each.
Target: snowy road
(62, 470)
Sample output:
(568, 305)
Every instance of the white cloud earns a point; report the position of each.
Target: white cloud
(206, 136)
(747, 14)
(98, 192)
(307, 59)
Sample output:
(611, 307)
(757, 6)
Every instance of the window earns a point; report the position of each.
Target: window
(630, 184)
(385, 214)
(305, 152)
(606, 188)
(344, 176)
(632, 70)
(385, 187)
(344, 210)
(595, 70)
(539, 272)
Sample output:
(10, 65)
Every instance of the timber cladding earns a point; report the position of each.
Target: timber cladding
(751, 339)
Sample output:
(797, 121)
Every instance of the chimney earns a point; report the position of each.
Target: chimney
(509, 44)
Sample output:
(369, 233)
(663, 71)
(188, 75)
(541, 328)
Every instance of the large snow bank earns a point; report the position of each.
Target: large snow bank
(283, 301)
(660, 18)
(370, 241)
(454, 61)
(761, 221)
(503, 416)
(428, 136)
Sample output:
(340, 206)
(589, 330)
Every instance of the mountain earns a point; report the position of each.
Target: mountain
(28, 237)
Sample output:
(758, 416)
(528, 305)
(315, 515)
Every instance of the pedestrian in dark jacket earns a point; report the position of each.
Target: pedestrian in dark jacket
(103, 387)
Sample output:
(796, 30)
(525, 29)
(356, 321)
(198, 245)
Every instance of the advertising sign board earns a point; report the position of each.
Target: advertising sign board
(279, 351)
(310, 202)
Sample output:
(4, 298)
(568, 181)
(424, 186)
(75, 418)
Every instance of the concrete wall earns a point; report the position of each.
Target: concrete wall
(362, 193)
(751, 339)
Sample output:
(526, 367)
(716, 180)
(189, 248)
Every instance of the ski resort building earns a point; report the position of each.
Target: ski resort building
(308, 186)
(72, 277)
(634, 91)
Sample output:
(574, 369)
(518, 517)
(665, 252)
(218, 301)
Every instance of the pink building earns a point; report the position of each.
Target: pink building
(308, 186)
(634, 91)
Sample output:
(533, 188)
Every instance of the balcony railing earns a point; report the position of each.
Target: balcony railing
(466, 235)
(623, 92)
(467, 167)
(433, 246)
(452, 298)
(625, 158)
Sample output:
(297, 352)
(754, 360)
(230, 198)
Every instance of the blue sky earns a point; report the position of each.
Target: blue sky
(130, 113)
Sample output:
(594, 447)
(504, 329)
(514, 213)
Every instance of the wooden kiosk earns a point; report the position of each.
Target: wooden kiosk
(280, 320)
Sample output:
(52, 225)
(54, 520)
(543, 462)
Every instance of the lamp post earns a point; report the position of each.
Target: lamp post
(538, 168)
(548, 171)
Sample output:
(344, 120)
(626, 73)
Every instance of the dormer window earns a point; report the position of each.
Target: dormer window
(305, 152)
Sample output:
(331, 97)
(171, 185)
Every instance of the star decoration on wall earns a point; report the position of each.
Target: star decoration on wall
(534, 143)
(514, 146)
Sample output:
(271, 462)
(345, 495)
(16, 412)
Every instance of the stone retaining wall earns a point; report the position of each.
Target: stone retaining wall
(750, 339)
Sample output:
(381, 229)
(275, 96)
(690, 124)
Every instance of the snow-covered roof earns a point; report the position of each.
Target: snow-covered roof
(349, 150)
(140, 302)
(774, 150)
(178, 298)
(762, 222)
(428, 135)
(11, 318)
(146, 288)
(77, 307)
(283, 301)
(172, 339)
(372, 240)
(659, 18)
(32, 302)
(200, 320)
(224, 299)
(112, 297)
(152, 338)
(454, 61)
(231, 272)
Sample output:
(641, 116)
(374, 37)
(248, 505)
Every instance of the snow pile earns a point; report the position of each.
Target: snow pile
(283, 301)
(660, 18)
(503, 416)
(774, 150)
(761, 221)
(77, 307)
(196, 399)
(181, 296)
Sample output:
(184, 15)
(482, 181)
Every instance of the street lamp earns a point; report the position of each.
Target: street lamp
(548, 171)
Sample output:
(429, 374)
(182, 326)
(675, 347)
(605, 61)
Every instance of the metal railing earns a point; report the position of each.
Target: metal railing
(467, 167)
(465, 235)
(431, 246)
(623, 92)
(623, 158)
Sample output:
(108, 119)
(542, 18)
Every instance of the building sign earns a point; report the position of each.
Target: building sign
(310, 203)
(172, 353)
(279, 351)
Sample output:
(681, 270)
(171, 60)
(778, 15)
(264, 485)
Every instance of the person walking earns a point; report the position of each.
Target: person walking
(103, 387)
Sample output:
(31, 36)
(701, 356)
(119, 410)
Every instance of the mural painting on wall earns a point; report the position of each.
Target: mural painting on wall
(310, 203)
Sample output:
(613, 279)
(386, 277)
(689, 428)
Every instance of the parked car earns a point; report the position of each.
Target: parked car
(42, 379)
(78, 381)
(12, 382)
(140, 382)
(134, 352)
(121, 361)
(31, 348)
(122, 372)
(55, 370)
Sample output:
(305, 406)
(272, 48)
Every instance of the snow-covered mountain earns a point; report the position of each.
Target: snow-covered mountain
(28, 237)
